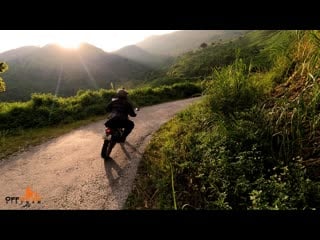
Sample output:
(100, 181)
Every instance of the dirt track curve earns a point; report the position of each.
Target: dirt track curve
(68, 172)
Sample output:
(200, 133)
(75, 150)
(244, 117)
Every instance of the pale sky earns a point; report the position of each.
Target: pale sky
(108, 40)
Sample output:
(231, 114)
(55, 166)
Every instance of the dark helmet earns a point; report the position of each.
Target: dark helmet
(122, 93)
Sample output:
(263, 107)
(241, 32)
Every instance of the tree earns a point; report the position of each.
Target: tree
(3, 68)
(203, 45)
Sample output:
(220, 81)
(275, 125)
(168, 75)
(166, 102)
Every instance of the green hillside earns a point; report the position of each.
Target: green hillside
(253, 142)
(176, 43)
(257, 47)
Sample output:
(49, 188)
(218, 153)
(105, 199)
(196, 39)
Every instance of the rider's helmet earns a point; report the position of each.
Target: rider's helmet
(122, 93)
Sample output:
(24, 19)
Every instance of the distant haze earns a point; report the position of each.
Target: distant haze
(108, 40)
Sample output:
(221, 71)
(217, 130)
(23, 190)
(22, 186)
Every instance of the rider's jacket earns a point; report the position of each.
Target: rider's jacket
(120, 108)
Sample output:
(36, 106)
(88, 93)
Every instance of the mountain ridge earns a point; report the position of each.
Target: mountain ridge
(135, 53)
(176, 43)
(39, 69)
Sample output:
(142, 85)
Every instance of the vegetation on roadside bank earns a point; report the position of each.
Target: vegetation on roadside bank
(252, 143)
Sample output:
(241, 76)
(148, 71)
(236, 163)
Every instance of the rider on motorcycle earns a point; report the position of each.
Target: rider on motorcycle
(120, 108)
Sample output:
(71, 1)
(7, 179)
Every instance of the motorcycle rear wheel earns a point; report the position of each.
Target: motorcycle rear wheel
(104, 149)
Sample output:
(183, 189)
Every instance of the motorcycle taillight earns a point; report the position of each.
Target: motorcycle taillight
(108, 131)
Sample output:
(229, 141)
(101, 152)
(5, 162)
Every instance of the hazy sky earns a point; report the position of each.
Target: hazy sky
(108, 40)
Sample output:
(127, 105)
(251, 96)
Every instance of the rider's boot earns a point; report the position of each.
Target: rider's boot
(122, 139)
(109, 149)
(108, 152)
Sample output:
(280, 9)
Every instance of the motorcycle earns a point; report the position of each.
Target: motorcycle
(111, 137)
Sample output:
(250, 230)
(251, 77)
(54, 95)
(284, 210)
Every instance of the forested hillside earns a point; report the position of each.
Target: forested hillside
(60, 71)
(176, 43)
(257, 47)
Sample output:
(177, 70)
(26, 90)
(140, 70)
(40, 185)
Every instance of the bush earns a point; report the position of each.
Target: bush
(231, 89)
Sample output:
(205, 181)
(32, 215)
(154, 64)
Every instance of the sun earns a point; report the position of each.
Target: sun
(69, 43)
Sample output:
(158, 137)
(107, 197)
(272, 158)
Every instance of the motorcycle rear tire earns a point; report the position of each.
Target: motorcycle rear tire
(104, 148)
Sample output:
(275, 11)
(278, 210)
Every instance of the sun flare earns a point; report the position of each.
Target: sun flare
(69, 43)
(107, 40)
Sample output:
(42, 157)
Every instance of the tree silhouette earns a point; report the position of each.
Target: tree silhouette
(3, 68)
(203, 45)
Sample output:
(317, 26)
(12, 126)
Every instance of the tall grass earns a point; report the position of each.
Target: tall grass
(232, 89)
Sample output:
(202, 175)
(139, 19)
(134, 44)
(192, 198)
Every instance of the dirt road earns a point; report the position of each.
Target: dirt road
(68, 172)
